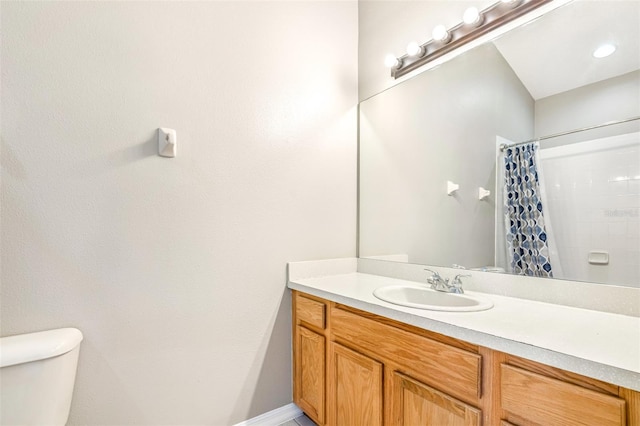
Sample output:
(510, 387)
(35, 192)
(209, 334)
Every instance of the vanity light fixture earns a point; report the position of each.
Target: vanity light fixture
(475, 24)
(604, 51)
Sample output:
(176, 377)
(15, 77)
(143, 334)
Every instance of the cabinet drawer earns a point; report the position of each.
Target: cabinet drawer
(445, 367)
(310, 311)
(547, 401)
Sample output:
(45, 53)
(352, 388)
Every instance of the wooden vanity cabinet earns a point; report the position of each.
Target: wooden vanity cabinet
(379, 371)
(353, 368)
(426, 381)
(309, 356)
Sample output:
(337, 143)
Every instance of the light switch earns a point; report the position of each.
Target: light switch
(167, 142)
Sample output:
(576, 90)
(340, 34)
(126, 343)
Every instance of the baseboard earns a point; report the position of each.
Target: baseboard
(274, 417)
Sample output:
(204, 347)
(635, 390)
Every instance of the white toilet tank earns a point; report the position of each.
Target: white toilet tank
(37, 374)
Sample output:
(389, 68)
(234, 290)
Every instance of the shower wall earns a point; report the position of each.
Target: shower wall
(593, 193)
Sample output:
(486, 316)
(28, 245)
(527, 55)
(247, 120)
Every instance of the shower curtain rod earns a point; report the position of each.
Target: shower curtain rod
(609, 123)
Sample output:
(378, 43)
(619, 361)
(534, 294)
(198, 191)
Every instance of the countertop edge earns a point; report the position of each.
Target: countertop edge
(596, 370)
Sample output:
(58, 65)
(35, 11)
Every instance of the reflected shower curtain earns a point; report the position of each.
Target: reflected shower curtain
(527, 243)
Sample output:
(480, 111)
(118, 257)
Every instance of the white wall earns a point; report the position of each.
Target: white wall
(174, 269)
(608, 100)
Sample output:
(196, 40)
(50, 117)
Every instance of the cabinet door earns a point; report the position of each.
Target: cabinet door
(414, 403)
(356, 388)
(309, 373)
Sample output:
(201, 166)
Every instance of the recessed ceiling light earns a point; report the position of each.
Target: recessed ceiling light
(604, 51)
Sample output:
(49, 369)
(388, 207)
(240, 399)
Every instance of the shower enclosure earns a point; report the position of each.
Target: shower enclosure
(590, 191)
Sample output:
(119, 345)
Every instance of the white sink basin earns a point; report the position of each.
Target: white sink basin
(426, 298)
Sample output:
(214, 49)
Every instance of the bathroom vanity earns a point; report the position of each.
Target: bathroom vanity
(360, 361)
(548, 352)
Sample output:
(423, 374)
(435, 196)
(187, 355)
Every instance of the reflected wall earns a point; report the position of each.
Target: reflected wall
(440, 126)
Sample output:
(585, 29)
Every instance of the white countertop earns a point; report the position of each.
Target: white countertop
(596, 344)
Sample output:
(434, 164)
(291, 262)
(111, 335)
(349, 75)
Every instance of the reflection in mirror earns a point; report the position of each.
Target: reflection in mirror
(447, 124)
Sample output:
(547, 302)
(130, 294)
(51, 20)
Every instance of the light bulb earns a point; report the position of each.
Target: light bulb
(440, 33)
(414, 49)
(471, 16)
(604, 51)
(390, 61)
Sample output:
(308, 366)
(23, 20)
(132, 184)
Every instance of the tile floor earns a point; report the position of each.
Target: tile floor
(299, 421)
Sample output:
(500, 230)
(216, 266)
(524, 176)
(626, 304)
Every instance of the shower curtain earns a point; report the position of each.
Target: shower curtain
(527, 238)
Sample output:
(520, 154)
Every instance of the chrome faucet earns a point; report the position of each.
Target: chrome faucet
(442, 284)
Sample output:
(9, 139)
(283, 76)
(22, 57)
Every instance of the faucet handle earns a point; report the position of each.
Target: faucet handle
(456, 284)
(456, 280)
(435, 274)
(436, 281)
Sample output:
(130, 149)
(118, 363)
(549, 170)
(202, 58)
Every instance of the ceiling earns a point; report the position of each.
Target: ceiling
(555, 53)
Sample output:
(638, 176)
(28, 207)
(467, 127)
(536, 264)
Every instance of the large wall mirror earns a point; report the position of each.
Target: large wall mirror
(447, 125)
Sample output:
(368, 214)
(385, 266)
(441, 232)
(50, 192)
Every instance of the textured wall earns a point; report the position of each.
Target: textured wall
(174, 269)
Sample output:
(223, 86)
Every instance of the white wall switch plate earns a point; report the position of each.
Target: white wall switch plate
(167, 142)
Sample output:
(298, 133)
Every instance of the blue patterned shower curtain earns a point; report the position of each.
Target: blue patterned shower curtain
(526, 234)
